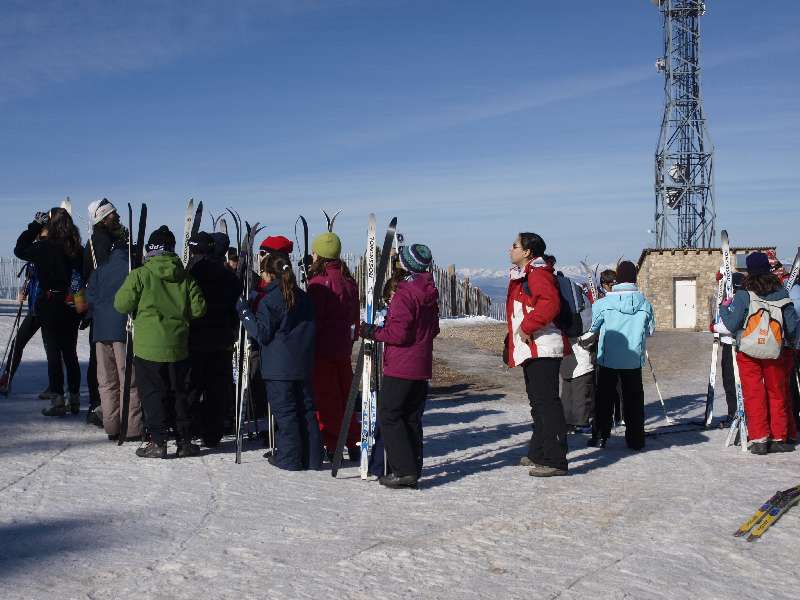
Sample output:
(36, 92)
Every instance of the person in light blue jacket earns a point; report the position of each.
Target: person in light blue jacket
(623, 319)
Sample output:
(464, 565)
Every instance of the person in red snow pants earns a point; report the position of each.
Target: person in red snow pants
(335, 296)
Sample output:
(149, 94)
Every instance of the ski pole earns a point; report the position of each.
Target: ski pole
(658, 390)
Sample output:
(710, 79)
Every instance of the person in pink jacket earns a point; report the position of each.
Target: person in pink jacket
(334, 293)
(411, 324)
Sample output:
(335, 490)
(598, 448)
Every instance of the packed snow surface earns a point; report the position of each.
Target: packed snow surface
(83, 518)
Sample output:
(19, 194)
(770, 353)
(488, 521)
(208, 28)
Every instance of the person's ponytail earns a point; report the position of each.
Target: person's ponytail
(280, 268)
(288, 284)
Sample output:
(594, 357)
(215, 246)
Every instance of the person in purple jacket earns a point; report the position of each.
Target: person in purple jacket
(411, 324)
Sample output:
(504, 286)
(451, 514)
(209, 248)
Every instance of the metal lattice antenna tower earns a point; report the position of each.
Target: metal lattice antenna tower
(685, 213)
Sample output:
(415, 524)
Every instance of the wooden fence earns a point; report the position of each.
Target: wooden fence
(457, 297)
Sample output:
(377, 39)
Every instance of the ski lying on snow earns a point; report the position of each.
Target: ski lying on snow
(766, 510)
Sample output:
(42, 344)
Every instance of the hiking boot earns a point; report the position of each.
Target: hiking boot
(57, 407)
(780, 447)
(152, 450)
(187, 449)
(759, 448)
(74, 403)
(542, 471)
(526, 462)
(394, 481)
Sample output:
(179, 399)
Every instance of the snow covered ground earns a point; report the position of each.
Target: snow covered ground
(83, 518)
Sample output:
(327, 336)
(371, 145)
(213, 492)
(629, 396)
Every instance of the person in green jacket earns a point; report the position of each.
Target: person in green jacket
(163, 298)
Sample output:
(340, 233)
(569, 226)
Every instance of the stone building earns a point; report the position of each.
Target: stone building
(681, 283)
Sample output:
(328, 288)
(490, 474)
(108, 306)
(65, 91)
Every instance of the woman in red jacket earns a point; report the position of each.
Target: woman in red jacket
(335, 296)
(411, 324)
(537, 344)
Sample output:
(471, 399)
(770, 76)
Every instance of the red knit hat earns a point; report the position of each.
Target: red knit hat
(277, 243)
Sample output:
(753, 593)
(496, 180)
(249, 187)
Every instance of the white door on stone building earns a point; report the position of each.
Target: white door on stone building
(685, 304)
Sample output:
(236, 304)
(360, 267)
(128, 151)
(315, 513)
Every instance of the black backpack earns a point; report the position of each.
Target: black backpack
(569, 319)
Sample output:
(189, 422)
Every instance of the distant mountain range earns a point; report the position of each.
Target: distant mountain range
(494, 283)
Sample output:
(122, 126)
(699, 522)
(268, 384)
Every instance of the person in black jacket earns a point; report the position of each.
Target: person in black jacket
(284, 326)
(106, 231)
(211, 339)
(57, 256)
(108, 337)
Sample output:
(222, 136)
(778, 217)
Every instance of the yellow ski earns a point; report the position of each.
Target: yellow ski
(788, 499)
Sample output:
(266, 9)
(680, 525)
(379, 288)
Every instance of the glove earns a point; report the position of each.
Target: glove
(42, 218)
(588, 339)
(367, 331)
(711, 327)
(718, 275)
(727, 302)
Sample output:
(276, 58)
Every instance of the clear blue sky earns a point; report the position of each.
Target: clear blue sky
(468, 120)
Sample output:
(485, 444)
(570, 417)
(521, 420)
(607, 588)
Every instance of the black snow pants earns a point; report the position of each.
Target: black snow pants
(632, 403)
(402, 403)
(211, 390)
(548, 444)
(60, 334)
(163, 391)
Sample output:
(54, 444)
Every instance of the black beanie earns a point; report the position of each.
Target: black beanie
(161, 240)
(626, 272)
(202, 243)
(221, 243)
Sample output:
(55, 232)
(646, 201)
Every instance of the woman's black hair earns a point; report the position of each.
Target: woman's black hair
(533, 243)
(62, 231)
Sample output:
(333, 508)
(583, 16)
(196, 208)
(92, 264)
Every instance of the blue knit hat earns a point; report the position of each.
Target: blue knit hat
(758, 264)
(415, 258)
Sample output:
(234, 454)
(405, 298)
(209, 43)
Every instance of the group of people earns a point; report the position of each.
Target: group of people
(605, 354)
(185, 321)
(600, 370)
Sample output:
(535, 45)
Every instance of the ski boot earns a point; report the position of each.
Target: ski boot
(759, 448)
(57, 407)
(152, 450)
(74, 403)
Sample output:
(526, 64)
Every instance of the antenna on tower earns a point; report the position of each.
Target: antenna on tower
(685, 214)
